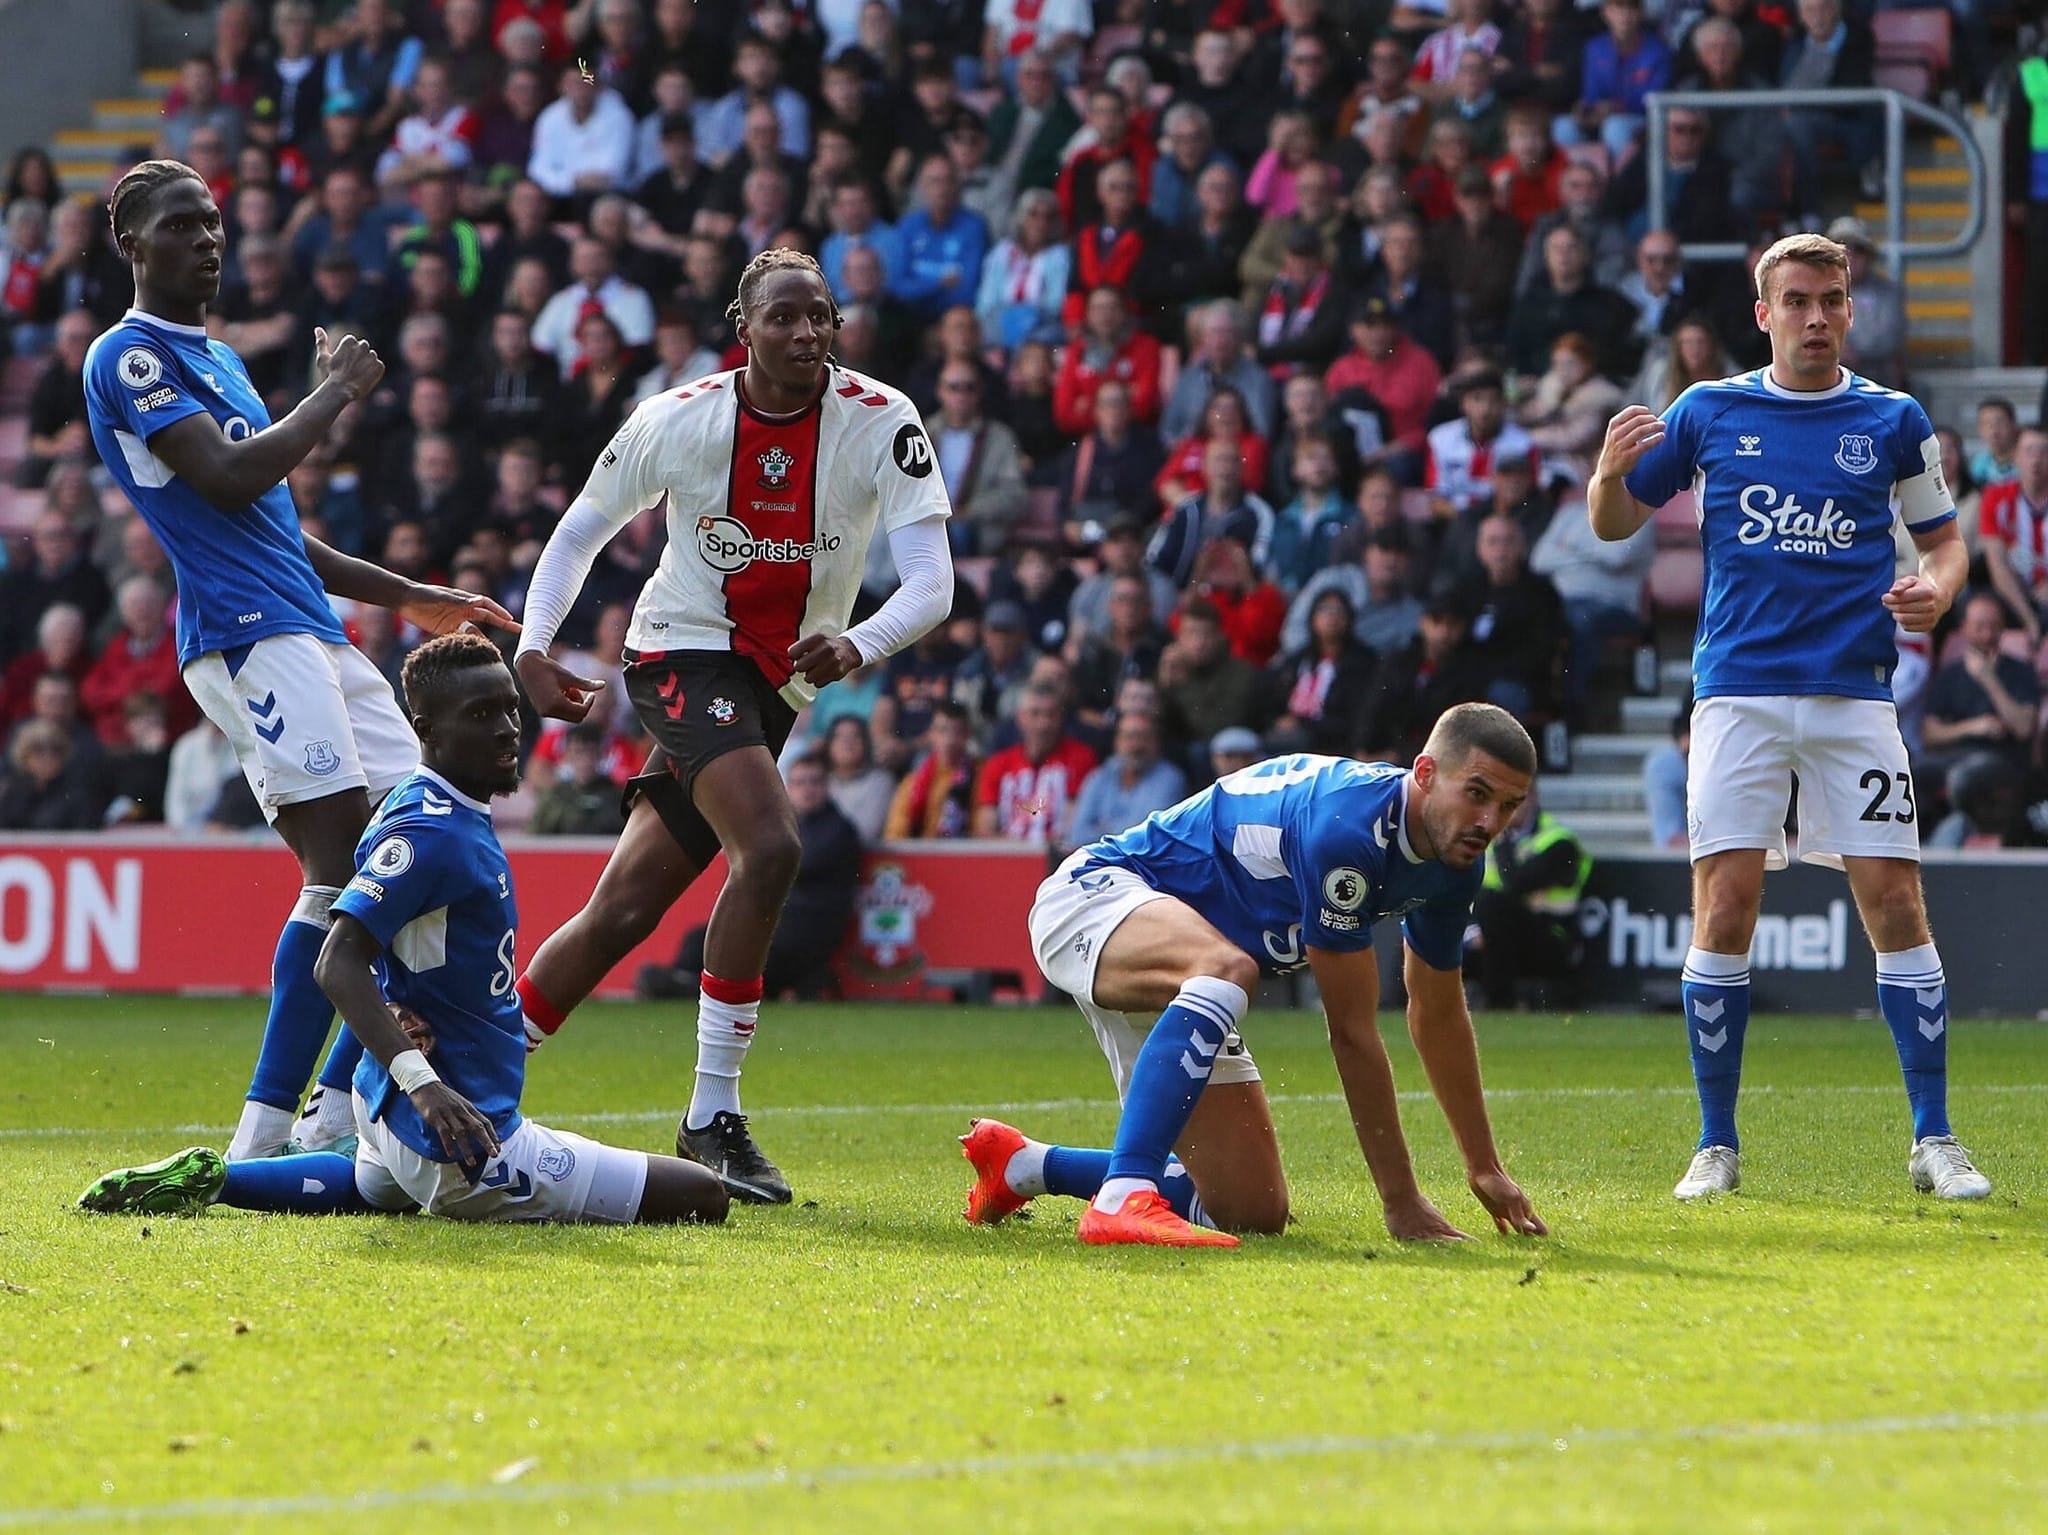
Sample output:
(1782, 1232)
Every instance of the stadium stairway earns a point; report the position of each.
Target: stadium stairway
(1938, 292)
(86, 156)
(1601, 799)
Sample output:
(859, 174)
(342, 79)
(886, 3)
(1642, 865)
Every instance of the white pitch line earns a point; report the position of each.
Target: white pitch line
(1061, 1105)
(1139, 1458)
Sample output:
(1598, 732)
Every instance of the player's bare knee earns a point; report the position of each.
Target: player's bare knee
(1250, 1212)
(1896, 916)
(1228, 963)
(623, 919)
(767, 864)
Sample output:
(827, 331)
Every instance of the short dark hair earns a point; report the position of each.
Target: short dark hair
(1200, 610)
(429, 669)
(134, 192)
(1465, 728)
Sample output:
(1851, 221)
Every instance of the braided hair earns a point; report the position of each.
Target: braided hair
(133, 192)
(777, 258)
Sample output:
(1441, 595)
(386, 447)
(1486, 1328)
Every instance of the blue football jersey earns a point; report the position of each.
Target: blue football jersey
(433, 885)
(1797, 496)
(1297, 853)
(241, 575)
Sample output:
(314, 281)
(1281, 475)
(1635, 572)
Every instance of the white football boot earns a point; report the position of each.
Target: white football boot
(1714, 1170)
(1940, 1166)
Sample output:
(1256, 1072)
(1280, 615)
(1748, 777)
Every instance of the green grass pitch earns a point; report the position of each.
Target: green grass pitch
(1825, 1352)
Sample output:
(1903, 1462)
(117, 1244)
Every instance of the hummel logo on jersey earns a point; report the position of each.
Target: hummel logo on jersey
(775, 466)
(1795, 529)
(211, 382)
(728, 545)
(1752, 447)
(1857, 454)
(434, 804)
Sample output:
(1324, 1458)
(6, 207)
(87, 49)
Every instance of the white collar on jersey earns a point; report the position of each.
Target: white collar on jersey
(161, 323)
(1773, 387)
(475, 804)
(1401, 819)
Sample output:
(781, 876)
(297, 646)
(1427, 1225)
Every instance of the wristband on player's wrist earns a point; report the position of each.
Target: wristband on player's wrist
(409, 1069)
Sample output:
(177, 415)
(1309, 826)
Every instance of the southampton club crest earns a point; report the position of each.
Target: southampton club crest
(722, 711)
(1857, 454)
(775, 466)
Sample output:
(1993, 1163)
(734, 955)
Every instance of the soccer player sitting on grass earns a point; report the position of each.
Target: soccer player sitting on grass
(1287, 862)
(428, 925)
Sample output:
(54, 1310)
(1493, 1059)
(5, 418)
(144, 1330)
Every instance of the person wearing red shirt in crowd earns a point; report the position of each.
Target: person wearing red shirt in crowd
(1120, 247)
(1525, 179)
(1448, 154)
(2013, 529)
(60, 648)
(1252, 609)
(141, 658)
(1395, 370)
(1026, 792)
(1224, 417)
(551, 16)
(1110, 346)
(1110, 136)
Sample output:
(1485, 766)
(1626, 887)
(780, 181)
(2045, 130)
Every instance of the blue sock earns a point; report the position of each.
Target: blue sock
(300, 1013)
(340, 1071)
(1080, 1173)
(1715, 989)
(311, 1183)
(1168, 1076)
(1913, 996)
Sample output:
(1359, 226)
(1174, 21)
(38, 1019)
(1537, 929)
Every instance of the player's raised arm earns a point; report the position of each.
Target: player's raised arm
(1616, 513)
(1350, 987)
(232, 474)
(344, 973)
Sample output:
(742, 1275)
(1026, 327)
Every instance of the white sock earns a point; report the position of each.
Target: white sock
(1026, 1173)
(334, 1118)
(724, 1032)
(262, 1132)
(1109, 1199)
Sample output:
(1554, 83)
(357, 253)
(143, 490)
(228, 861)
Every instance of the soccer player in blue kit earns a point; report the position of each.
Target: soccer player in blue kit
(1286, 863)
(314, 725)
(1800, 469)
(429, 925)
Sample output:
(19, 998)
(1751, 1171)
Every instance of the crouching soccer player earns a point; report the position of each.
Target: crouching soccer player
(1287, 862)
(429, 923)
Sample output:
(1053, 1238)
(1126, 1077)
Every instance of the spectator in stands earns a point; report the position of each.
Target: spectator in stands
(673, 184)
(1476, 105)
(437, 137)
(1031, 125)
(1222, 508)
(196, 106)
(861, 790)
(45, 789)
(1112, 135)
(141, 658)
(944, 244)
(517, 391)
(1566, 416)
(1127, 645)
(1218, 361)
(583, 143)
(1026, 792)
(1121, 553)
(1323, 682)
(1309, 525)
(1388, 87)
(1223, 420)
(1830, 51)
(1691, 354)
(1983, 703)
(1302, 316)
(1203, 686)
(1318, 208)
(597, 283)
(1568, 299)
(1190, 143)
(1621, 67)
(60, 647)
(1526, 179)
(24, 248)
(936, 797)
(1518, 632)
(1430, 191)
(989, 681)
(1600, 583)
(1527, 909)
(959, 345)
(134, 776)
(56, 570)
(1131, 783)
(1121, 246)
(1025, 280)
(1251, 607)
(1109, 347)
(1030, 415)
(1876, 347)
(757, 73)
(1411, 688)
(1043, 585)
(1109, 473)
(1470, 29)
(1461, 453)
(1399, 373)
(1055, 30)
(978, 459)
(2013, 533)
(31, 174)
(376, 65)
(83, 270)
(56, 406)
(1205, 250)
(1475, 254)
(1420, 308)
(677, 359)
(880, 330)
(580, 800)
(1580, 204)
(1992, 461)
(1385, 613)
(1657, 288)
(1290, 148)
(1664, 774)
(343, 217)
(1543, 51)
(54, 701)
(760, 149)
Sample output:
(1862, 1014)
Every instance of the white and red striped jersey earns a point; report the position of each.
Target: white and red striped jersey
(1437, 59)
(1461, 470)
(769, 518)
(2007, 515)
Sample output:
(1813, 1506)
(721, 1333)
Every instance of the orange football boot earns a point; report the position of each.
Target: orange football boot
(989, 1145)
(1147, 1219)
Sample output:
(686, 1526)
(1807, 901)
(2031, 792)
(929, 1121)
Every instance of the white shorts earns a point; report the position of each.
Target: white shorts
(1071, 920)
(307, 717)
(1855, 782)
(538, 1175)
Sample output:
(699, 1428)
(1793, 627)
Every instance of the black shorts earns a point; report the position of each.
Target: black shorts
(698, 705)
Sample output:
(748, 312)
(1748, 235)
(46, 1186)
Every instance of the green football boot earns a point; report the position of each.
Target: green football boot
(183, 1183)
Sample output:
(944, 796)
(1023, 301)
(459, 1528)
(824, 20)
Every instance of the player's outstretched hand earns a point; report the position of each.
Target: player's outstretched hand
(464, 1134)
(557, 692)
(351, 363)
(445, 609)
(1415, 1219)
(1916, 603)
(821, 659)
(1507, 1204)
(1632, 433)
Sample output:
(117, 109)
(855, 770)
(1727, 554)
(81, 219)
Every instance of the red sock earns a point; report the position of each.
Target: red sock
(737, 993)
(540, 1014)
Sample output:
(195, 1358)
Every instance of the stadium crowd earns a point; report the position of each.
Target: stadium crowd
(1265, 345)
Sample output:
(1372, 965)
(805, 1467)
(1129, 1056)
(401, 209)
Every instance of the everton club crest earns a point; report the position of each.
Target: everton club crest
(1857, 454)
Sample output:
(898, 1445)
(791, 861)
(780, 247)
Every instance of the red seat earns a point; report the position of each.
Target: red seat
(1678, 523)
(1675, 578)
(1908, 77)
(1924, 36)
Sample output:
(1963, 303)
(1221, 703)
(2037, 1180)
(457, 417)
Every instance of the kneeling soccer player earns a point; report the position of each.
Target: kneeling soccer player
(429, 923)
(1288, 862)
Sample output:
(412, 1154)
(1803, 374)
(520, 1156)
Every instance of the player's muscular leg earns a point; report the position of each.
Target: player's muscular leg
(1727, 891)
(646, 875)
(1157, 948)
(681, 1191)
(741, 795)
(1888, 897)
(322, 835)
